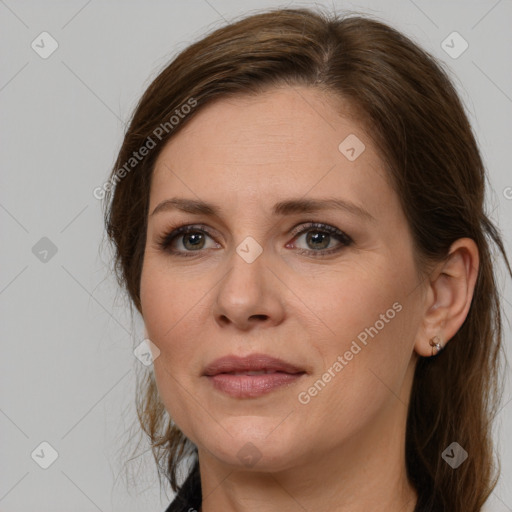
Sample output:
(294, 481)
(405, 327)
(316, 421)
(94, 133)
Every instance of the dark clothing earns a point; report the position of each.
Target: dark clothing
(189, 497)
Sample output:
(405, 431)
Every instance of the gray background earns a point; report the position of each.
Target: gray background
(67, 370)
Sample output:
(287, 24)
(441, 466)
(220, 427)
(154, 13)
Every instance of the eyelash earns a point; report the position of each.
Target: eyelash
(165, 241)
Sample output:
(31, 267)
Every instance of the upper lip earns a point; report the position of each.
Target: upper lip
(253, 362)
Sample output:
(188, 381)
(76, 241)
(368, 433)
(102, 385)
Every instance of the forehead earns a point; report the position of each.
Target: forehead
(289, 141)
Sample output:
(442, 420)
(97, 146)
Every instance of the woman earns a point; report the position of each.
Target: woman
(298, 217)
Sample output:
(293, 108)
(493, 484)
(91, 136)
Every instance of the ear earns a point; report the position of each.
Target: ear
(449, 295)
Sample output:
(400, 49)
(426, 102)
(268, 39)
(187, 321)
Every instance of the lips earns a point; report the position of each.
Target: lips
(254, 364)
(252, 376)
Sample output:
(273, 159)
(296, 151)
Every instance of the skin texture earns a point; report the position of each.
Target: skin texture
(343, 450)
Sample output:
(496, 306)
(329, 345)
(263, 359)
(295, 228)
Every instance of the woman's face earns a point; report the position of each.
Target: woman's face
(339, 301)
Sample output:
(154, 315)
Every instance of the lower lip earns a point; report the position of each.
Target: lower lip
(250, 386)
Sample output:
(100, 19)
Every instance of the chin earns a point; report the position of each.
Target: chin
(252, 446)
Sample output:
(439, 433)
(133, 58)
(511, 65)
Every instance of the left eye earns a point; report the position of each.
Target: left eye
(318, 238)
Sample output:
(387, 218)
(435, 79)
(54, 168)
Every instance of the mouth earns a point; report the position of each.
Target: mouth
(254, 363)
(251, 376)
(251, 372)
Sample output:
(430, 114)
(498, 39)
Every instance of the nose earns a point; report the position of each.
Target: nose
(249, 295)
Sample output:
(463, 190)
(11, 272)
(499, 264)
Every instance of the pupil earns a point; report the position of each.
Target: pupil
(195, 238)
(319, 237)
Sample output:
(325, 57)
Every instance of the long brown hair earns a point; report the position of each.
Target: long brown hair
(410, 108)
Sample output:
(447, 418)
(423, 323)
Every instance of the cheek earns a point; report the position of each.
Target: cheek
(169, 308)
(353, 299)
(161, 313)
(369, 323)
(165, 300)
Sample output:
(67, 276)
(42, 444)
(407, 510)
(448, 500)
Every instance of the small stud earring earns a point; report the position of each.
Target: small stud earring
(436, 345)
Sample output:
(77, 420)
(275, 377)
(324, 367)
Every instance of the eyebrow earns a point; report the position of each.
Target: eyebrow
(288, 207)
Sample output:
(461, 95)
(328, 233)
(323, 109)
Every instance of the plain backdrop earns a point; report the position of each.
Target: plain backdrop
(67, 368)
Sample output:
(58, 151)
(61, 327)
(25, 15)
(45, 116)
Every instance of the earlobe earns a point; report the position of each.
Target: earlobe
(451, 288)
(436, 344)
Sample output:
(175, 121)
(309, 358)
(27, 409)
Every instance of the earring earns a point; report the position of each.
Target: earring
(436, 345)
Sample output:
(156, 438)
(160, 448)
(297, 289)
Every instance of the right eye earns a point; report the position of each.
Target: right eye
(191, 237)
